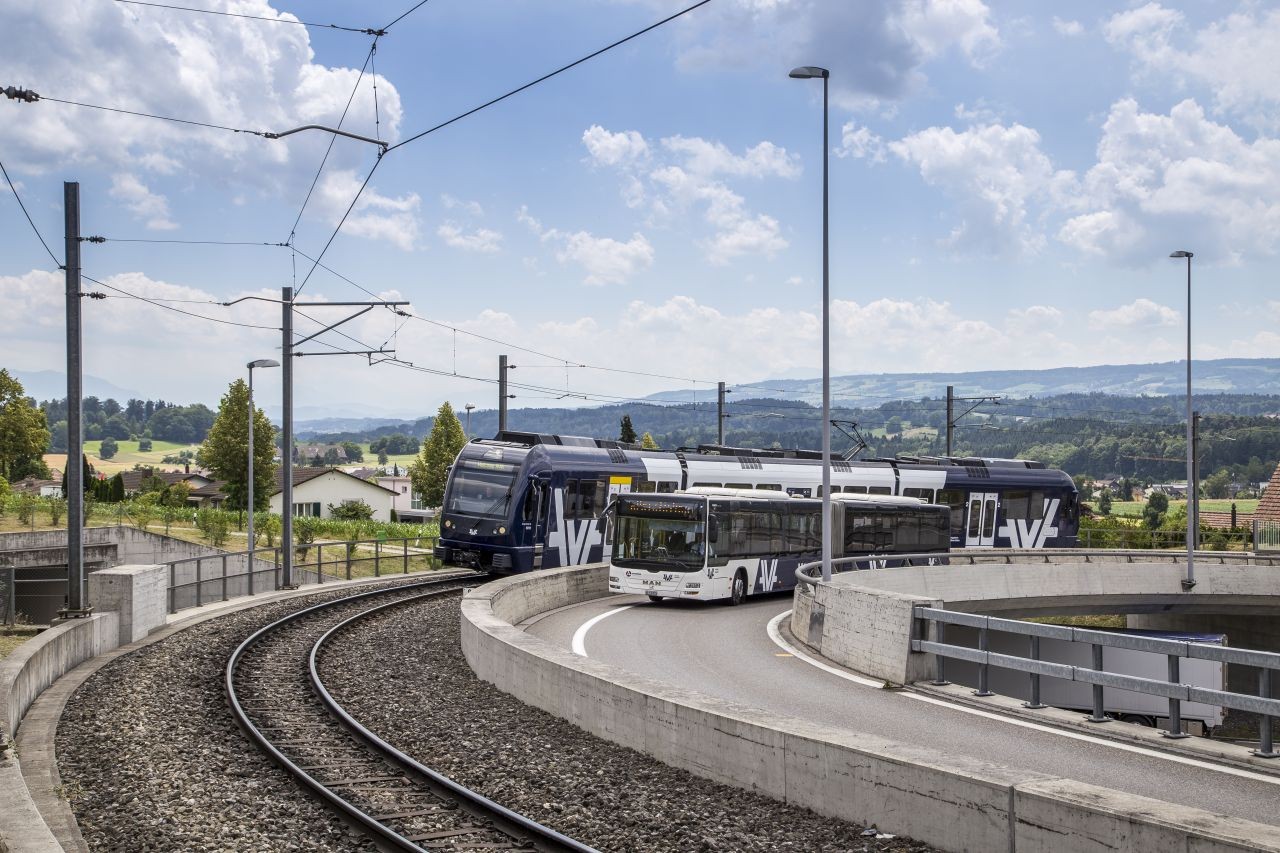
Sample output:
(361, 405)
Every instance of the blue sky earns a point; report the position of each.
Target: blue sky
(1006, 185)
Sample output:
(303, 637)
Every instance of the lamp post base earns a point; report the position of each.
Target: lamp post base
(1188, 584)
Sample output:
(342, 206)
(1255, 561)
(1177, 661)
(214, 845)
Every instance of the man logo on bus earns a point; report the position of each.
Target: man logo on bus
(1032, 532)
(573, 539)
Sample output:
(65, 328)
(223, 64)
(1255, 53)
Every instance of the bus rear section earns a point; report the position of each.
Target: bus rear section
(713, 544)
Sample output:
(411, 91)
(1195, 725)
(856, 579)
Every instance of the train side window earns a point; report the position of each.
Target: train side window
(643, 485)
(591, 498)
(924, 494)
(571, 499)
(666, 486)
(954, 498)
(774, 486)
(879, 490)
(530, 503)
(1017, 505)
(1036, 508)
(726, 485)
(858, 490)
(695, 485)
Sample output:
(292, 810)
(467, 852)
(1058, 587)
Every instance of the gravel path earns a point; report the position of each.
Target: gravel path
(406, 679)
(151, 760)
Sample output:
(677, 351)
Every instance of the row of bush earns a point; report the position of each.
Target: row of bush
(214, 524)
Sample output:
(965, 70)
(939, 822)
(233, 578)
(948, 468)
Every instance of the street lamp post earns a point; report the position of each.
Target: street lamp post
(1190, 580)
(469, 407)
(262, 362)
(808, 72)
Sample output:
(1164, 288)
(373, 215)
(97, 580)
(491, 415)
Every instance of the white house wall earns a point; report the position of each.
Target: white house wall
(334, 488)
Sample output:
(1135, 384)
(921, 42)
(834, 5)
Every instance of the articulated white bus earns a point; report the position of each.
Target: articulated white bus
(718, 543)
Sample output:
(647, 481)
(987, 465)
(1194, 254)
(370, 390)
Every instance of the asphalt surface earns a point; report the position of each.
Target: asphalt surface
(726, 652)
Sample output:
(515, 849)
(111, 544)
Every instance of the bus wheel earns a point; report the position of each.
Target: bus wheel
(738, 594)
(656, 599)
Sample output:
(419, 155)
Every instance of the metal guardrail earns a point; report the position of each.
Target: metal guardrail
(1175, 650)
(217, 577)
(974, 556)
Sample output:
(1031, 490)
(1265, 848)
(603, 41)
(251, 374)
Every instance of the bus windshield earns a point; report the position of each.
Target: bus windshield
(664, 534)
(481, 488)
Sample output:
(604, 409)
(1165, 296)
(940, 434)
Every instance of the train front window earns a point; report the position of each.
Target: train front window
(481, 488)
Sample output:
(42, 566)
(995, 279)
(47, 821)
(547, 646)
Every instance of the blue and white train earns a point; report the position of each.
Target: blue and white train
(525, 501)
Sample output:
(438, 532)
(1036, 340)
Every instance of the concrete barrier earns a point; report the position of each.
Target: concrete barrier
(137, 594)
(951, 802)
(24, 674)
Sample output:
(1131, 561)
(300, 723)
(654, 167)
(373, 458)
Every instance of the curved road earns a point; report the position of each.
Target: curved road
(727, 652)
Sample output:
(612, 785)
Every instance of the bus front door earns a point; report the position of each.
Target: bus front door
(981, 529)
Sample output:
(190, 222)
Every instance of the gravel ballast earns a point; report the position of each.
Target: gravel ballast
(151, 760)
(403, 675)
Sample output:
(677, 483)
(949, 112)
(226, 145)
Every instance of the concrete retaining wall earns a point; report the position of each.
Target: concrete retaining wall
(41, 660)
(867, 630)
(950, 802)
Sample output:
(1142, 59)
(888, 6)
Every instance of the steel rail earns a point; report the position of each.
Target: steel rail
(543, 837)
(306, 780)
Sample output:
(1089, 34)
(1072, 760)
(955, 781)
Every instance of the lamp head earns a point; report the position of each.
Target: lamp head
(1182, 254)
(806, 72)
(263, 362)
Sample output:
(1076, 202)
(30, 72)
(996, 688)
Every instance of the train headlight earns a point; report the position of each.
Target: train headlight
(448, 522)
(500, 530)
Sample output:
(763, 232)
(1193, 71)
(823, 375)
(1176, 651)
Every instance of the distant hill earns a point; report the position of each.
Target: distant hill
(52, 385)
(669, 412)
(1222, 376)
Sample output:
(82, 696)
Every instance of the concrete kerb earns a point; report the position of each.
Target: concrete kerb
(950, 802)
(34, 818)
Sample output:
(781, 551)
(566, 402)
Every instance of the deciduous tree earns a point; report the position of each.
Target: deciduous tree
(225, 451)
(23, 434)
(108, 448)
(429, 471)
(647, 442)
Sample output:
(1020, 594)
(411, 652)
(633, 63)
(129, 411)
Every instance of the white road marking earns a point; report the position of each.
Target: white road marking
(580, 635)
(776, 636)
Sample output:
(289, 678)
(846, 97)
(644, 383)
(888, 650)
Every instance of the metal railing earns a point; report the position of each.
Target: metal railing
(7, 595)
(974, 556)
(1171, 688)
(1266, 535)
(194, 581)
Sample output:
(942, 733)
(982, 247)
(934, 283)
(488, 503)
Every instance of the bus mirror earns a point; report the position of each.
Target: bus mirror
(713, 529)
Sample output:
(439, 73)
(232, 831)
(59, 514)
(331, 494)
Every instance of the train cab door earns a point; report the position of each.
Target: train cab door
(980, 530)
(538, 503)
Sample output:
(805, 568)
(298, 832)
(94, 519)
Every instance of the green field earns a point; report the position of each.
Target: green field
(1134, 508)
(126, 456)
(404, 460)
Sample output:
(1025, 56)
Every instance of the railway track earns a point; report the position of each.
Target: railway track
(279, 701)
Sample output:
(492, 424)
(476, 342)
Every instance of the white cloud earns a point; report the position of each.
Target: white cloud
(708, 159)
(480, 240)
(252, 76)
(614, 149)
(376, 216)
(858, 141)
(685, 172)
(996, 173)
(1141, 313)
(471, 207)
(142, 202)
(876, 50)
(1234, 58)
(605, 260)
(1166, 179)
(1067, 28)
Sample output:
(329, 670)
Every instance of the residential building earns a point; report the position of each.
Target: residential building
(315, 490)
(407, 503)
